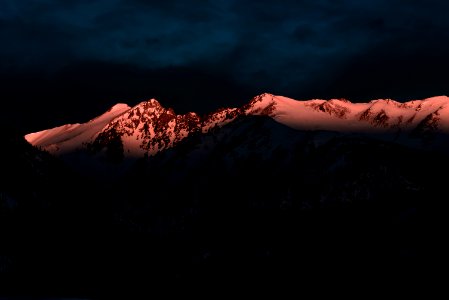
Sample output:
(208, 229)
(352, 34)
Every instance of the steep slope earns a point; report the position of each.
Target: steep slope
(149, 128)
(70, 137)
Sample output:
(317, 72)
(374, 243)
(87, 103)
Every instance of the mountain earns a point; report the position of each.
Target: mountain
(149, 128)
(70, 137)
(273, 191)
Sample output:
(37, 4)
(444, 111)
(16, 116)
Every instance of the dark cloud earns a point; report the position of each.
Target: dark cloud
(79, 92)
(398, 69)
(302, 49)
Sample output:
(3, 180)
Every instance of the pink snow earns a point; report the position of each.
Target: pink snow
(70, 137)
(381, 115)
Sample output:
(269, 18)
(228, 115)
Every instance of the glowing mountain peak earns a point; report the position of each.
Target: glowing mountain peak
(119, 107)
(150, 128)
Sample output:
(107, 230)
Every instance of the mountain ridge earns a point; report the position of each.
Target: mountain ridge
(148, 127)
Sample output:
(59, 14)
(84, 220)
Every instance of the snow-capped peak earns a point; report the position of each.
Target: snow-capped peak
(261, 104)
(118, 107)
(149, 128)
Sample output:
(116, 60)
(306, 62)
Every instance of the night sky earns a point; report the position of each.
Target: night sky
(68, 61)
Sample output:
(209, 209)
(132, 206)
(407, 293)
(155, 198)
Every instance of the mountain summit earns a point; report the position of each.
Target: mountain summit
(149, 128)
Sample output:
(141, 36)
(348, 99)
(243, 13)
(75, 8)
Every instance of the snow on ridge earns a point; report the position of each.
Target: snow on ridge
(149, 128)
(119, 107)
(219, 118)
(441, 98)
(380, 115)
(70, 137)
(37, 138)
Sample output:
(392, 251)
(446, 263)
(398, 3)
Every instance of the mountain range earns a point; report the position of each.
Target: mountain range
(272, 191)
(125, 132)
